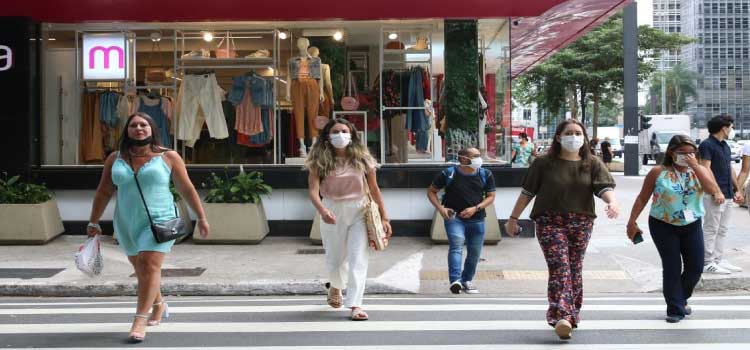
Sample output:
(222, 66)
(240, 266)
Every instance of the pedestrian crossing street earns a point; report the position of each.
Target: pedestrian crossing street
(396, 322)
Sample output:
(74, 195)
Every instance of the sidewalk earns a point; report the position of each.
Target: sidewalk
(291, 265)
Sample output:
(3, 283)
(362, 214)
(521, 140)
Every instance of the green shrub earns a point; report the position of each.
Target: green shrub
(242, 188)
(13, 191)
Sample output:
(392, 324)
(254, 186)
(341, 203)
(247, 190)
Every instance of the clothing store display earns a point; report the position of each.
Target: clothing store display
(416, 119)
(305, 101)
(90, 142)
(261, 89)
(200, 93)
(259, 54)
(108, 108)
(394, 45)
(248, 116)
(312, 64)
(350, 101)
(228, 50)
(202, 53)
(154, 109)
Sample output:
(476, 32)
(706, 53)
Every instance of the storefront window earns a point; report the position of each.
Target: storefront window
(245, 93)
(494, 39)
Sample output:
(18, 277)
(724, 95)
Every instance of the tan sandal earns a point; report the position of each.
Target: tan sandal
(359, 315)
(334, 300)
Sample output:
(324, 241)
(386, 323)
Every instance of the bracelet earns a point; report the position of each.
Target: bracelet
(94, 225)
(513, 218)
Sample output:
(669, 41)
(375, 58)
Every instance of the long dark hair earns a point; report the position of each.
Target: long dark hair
(584, 152)
(674, 143)
(155, 141)
(322, 157)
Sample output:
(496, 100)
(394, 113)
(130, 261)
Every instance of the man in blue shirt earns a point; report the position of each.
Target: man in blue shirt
(716, 155)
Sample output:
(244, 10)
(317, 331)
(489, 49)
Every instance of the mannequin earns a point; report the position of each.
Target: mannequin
(305, 91)
(327, 101)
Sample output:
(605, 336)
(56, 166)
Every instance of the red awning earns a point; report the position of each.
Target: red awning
(534, 39)
(65, 11)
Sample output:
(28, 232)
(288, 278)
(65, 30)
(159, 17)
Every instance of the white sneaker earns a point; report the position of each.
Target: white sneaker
(713, 268)
(725, 264)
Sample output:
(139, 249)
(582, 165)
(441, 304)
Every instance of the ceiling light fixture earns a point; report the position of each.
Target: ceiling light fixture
(338, 35)
(283, 35)
(156, 37)
(393, 36)
(208, 36)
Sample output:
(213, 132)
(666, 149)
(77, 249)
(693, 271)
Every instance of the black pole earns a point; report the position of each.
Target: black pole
(630, 98)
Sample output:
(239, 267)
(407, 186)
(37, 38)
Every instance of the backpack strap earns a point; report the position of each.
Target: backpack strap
(449, 173)
(484, 174)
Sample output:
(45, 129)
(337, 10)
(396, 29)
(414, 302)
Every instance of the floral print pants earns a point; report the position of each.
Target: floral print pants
(564, 238)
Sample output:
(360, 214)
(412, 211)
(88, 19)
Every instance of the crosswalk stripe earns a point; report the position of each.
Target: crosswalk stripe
(462, 298)
(722, 346)
(372, 307)
(370, 326)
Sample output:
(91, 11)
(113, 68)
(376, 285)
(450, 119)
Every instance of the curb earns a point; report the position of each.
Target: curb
(246, 288)
(723, 284)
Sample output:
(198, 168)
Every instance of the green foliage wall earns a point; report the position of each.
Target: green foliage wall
(333, 53)
(461, 85)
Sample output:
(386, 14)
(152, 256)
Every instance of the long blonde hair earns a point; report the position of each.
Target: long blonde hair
(322, 157)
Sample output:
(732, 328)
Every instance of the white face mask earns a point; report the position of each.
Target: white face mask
(571, 143)
(680, 160)
(731, 134)
(476, 163)
(340, 140)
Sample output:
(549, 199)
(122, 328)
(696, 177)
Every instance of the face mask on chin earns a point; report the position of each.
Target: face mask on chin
(139, 143)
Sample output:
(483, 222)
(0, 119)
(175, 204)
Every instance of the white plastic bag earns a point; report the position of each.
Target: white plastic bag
(89, 257)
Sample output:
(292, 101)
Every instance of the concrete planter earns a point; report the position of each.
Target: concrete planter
(30, 223)
(491, 227)
(234, 224)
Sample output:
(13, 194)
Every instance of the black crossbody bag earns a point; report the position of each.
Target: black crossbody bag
(167, 230)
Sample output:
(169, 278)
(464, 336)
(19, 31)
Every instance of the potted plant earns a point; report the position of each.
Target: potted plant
(234, 209)
(28, 212)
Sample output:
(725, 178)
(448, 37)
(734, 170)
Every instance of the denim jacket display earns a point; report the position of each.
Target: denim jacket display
(261, 90)
(314, 67)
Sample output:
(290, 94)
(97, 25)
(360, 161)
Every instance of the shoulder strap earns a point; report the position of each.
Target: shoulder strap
(448, 173)
(484, 174)
(135, 175)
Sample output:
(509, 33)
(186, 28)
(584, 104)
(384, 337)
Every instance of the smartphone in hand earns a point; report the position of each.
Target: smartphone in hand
(638, 238)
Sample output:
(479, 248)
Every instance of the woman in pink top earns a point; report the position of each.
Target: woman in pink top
(338, 164)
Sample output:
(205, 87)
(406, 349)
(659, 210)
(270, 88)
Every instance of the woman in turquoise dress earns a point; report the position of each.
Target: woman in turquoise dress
(141, 154)
(677, 188)
(523, 151)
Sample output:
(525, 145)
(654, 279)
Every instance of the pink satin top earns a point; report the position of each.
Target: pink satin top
(346, 182)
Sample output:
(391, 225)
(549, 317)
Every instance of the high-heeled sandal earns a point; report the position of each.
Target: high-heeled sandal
(164, 314)
(138, 337)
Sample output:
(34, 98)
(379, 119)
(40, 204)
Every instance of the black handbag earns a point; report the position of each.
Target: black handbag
(164, 231)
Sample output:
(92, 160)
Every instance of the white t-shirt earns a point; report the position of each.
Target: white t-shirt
(746, 150)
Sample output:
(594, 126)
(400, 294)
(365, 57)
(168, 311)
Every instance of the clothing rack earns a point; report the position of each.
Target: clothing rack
(185, 65)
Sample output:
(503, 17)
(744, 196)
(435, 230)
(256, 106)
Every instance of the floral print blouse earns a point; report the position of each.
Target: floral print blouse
(674, 194)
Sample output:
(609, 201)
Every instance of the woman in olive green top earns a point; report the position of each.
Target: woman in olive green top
(564, 183)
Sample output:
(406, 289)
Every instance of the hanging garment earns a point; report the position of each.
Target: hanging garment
(123, 109)
(248, 117)
(108, 108)
(155, 110)
(266, 136)
(200, 93)
(90, 143)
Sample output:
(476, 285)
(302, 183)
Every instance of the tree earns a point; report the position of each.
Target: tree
(592, 67)
(680, 84)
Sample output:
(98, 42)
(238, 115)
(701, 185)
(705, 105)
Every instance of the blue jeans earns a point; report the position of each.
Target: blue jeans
(681, 251)
(460, 232)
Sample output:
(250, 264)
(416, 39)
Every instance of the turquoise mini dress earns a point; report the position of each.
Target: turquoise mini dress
(131, 223)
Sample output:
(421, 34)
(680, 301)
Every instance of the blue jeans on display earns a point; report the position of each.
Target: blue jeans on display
(678, 246)
(472, 234)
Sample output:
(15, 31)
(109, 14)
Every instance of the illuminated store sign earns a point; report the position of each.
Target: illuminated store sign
(104, 56)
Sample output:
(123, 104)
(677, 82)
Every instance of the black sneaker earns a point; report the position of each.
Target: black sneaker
(456, 287)
(674, 318)
(469, 288)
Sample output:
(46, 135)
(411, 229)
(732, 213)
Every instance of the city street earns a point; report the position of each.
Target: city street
(424, 322)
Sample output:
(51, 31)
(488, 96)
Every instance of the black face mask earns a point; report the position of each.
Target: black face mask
(134, 142)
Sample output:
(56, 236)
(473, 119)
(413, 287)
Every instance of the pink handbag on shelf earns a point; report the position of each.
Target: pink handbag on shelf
(350, 102)
(230, 51)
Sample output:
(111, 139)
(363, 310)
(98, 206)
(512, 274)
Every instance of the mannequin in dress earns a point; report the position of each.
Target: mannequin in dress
(305, 91)
(327, 101)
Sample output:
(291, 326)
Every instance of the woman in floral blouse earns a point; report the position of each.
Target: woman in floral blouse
(677, 187)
